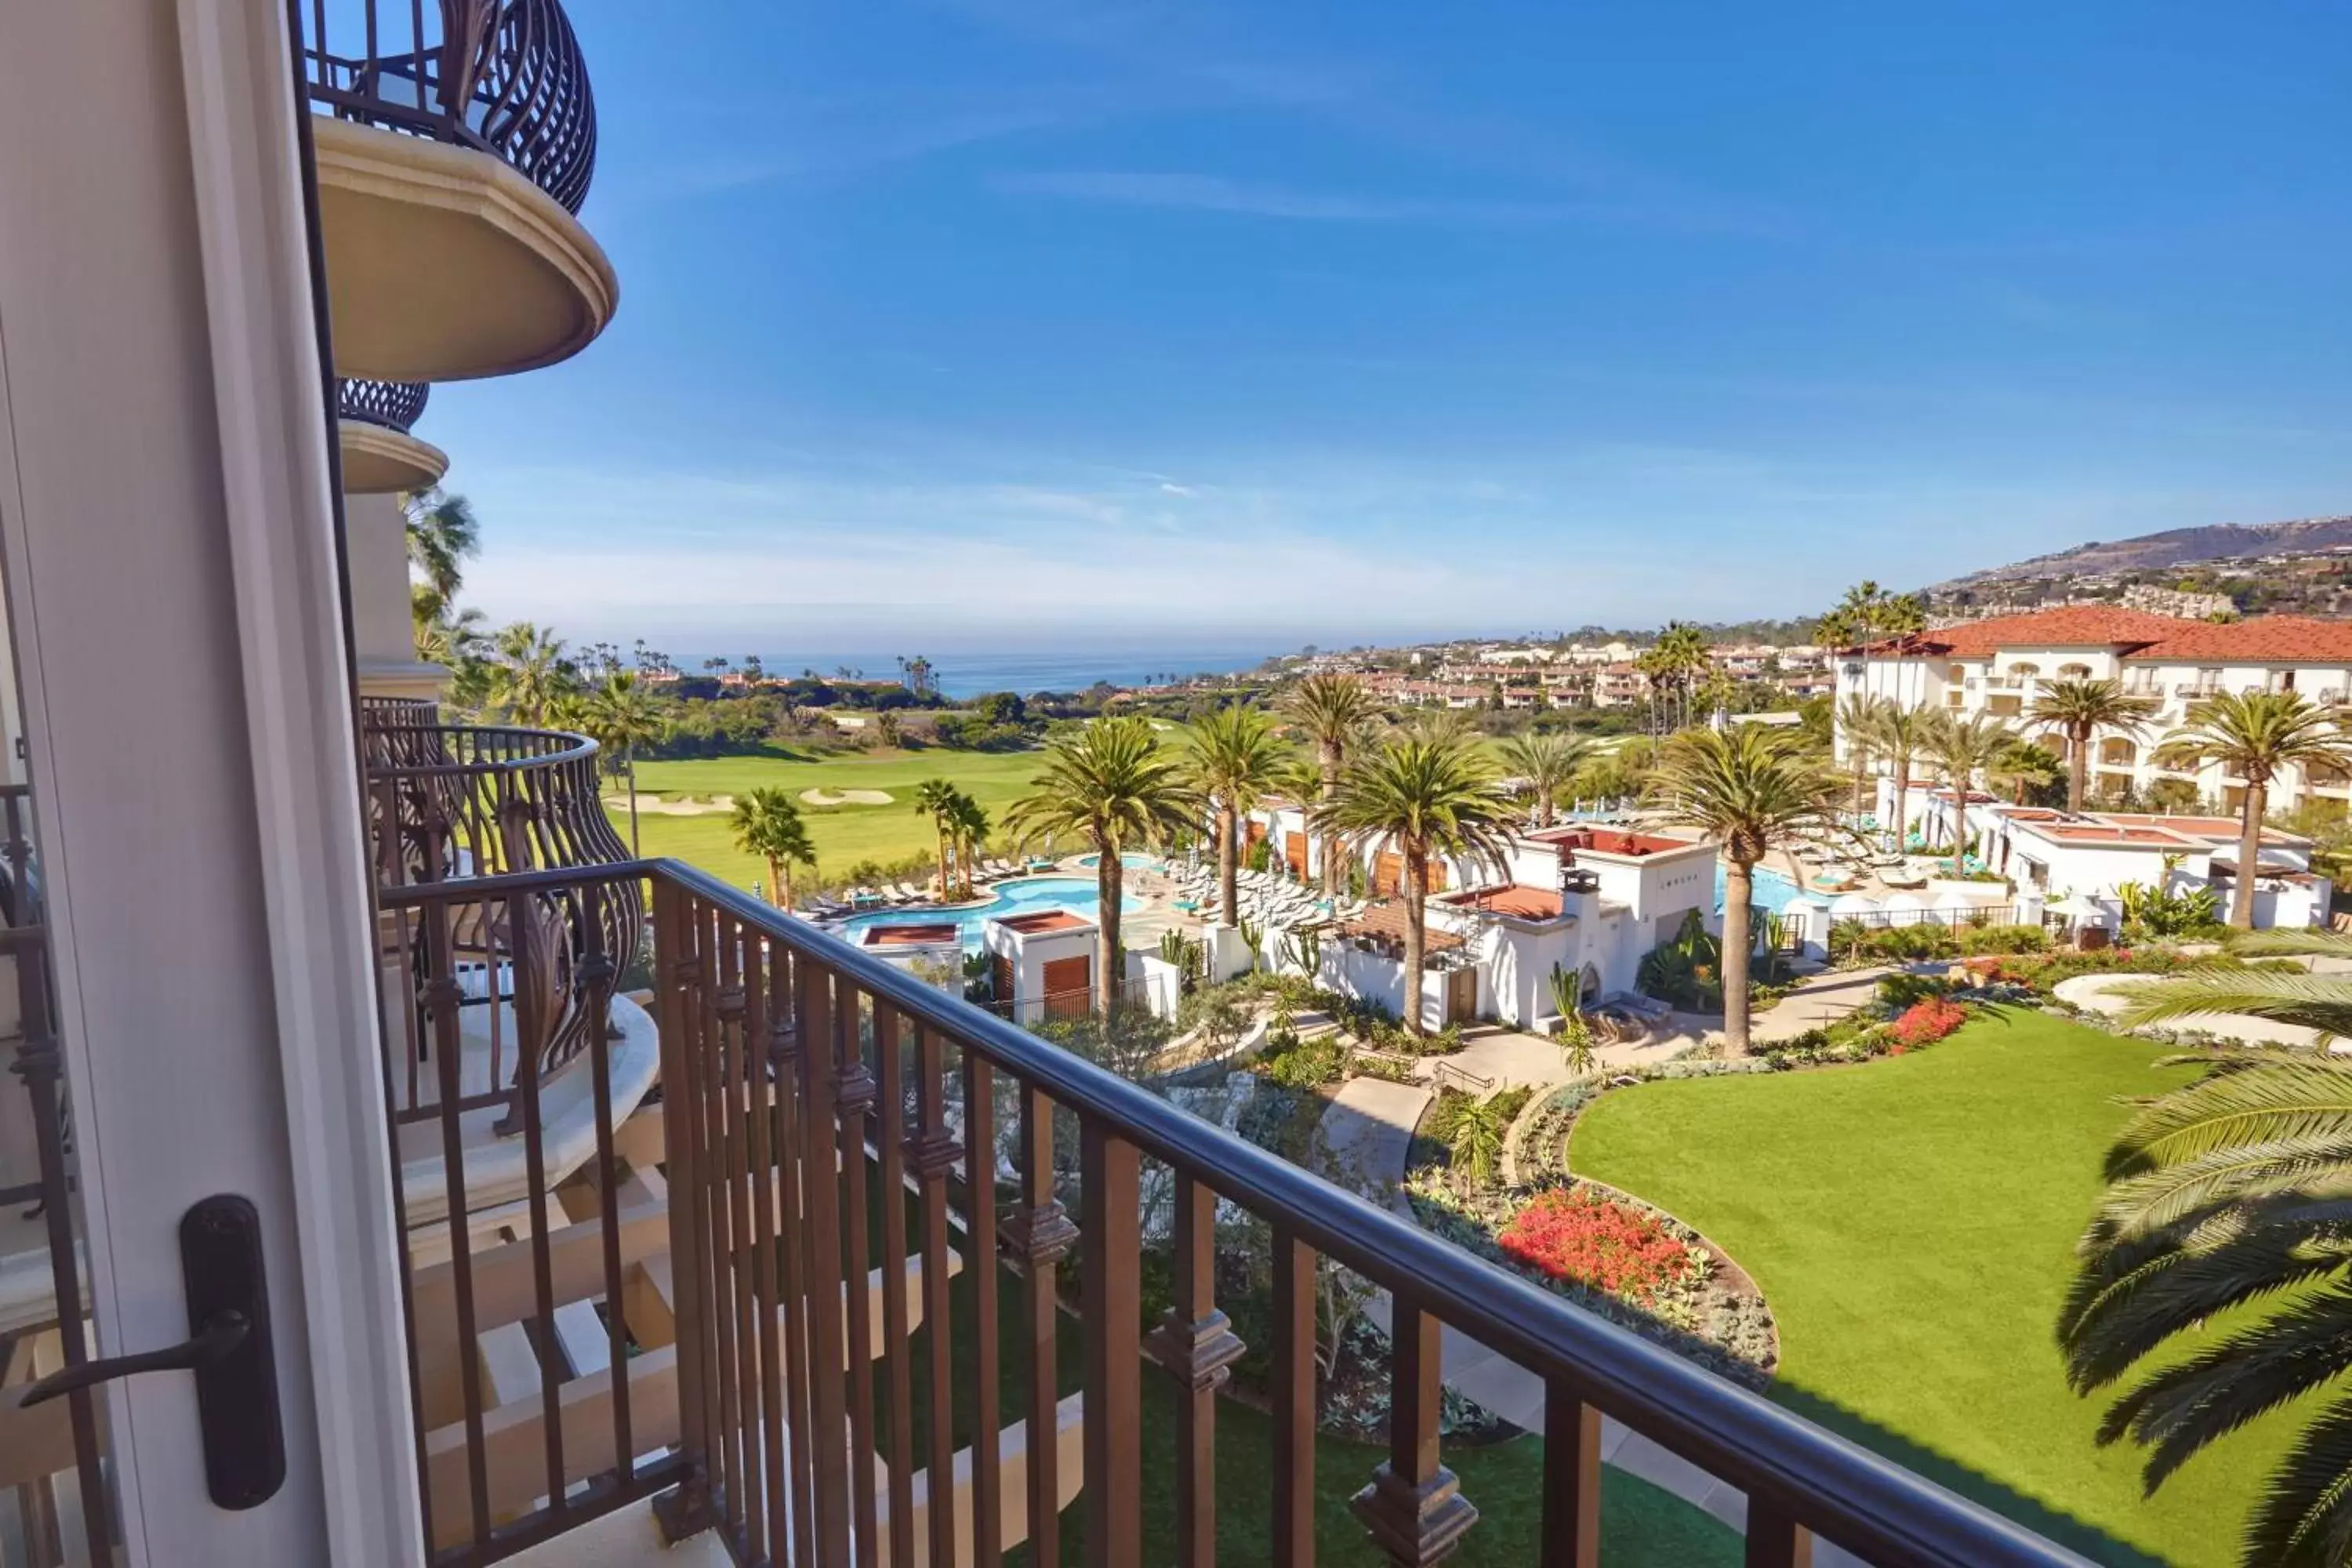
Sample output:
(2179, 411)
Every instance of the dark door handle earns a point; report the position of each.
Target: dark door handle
(222, 1332)
(228, 1348)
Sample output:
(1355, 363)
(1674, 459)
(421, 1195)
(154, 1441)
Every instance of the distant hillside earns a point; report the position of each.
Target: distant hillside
(2157, 551)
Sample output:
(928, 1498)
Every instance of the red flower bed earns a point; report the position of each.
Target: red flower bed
(1926, 1022)
(1581, 1236)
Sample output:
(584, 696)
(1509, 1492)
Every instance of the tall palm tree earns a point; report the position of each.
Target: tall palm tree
(1868, 613)
(766, 824)
(443, 635)
(1235, 760)
(531, 673)
(1855, 717)
(1962, 749)
(1333, 711)
(936, 799)
(442, 535)
(1549, 764)
(1112, 785)
(1426, 795)
(1752, 790)
(967, 827)
(2253, 735)
(2231, 1198)
(1898, 734)
(622, 715)
(2079, 709)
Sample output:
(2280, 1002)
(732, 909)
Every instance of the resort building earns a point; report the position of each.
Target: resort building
(1999, 667)
(394, 1171)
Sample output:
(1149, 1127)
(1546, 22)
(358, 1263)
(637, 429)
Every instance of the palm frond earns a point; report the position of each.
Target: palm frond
(2281, 1098)
(2305, 1517)
(2321, 1002)
(2317, 1165)
(2295, 941)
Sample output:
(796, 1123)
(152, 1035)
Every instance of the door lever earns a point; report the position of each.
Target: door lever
(222, 1332)
(228, 1349)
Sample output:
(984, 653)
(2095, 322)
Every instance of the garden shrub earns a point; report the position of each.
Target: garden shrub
(2004, 939)
(1900, 991)
(1927, 1021)
(1303, 1064)
(1577, 1234)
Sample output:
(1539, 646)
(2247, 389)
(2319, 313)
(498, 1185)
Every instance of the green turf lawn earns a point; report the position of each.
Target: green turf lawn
(1642, 1527)
(844, 834)
(1912, 1224)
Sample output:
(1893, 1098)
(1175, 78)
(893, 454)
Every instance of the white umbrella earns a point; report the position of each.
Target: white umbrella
(2079, 907)
(1846, 904)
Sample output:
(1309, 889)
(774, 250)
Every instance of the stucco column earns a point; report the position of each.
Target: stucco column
(382, 636)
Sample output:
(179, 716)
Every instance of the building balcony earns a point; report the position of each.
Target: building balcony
(454, 142)
(379, 455)
(763, 1291)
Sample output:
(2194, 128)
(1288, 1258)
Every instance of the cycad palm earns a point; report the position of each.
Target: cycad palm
(2254, 735)
(2234, 1196)
(621, 716)
(1235, 760)
(1549, 764)
(2079, 709)
(1112, 785)
(1332, 710)
(1474, 1144)
(1962, 749)
(1752, 789)
(766, 824)
(1426, 795)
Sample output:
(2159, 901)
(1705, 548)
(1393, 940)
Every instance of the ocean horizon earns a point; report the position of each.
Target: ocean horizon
(1061, 669)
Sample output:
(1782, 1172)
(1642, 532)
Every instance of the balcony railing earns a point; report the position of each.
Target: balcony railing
(456, 801)
(395, 404)
(722, 1300)
(504, 76)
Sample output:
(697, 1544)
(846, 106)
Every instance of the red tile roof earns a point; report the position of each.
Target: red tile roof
(1044, 920)
(1612, 841)
(910, 935)
(2137, 635)
(1527, 903)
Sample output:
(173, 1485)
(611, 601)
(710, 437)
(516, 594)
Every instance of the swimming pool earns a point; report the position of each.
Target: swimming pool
(1771, 890)
(1021, 895)
(1134, 860)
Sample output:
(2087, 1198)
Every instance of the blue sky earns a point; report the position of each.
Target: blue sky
(990, 323)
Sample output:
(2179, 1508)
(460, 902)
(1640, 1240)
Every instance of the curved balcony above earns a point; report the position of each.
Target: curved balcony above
(380, 457)
(456, 141)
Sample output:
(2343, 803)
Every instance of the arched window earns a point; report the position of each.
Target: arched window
(2117, 753)
(2022, 667)
(2074, 672)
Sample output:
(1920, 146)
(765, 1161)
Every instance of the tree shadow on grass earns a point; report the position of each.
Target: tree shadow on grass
(2075, 1534)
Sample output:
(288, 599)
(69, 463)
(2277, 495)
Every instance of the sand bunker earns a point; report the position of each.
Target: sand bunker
(654, 806)
(846, 796)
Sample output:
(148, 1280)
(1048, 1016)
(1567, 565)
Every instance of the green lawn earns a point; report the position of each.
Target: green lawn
(1642, 1527)
(1912, 1224)
(844, 834)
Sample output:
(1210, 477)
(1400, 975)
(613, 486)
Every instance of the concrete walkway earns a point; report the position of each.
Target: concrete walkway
(1820, 1001)
(1366, 1135)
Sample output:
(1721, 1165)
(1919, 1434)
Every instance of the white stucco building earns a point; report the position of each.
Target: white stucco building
(1999, 667)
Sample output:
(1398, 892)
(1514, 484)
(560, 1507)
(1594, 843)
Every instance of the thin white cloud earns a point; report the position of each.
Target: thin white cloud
(1212, 192)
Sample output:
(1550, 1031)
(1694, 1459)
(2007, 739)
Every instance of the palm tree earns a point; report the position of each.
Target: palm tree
(442, 534)
(2026, 764)
(1112, 785)
(1333, 711)
(1473, 1142)
(444, 636)
(1867, 613)
(936, 799)
(1235, 761)
(766, 824)
(1962, 749)
(1425, 795)
(2078, 710)
(621, 716)
(2229, 1200)
(2254, 734)
(1752, 790)
(1898, 734)
(1550, 763)
(1856, 719)
(531, 673)
(967, 827)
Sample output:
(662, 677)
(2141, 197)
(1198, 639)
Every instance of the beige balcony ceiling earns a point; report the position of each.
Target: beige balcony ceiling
(445, 264)
(380, 460)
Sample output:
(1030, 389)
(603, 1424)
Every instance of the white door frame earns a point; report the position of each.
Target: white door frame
(175, 595)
